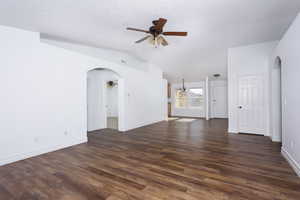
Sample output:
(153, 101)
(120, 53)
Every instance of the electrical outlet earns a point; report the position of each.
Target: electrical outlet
(292, 144)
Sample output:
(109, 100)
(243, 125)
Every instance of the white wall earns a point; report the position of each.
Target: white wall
(43, 95)
(165, 100)
(288, 50)
(187, 112)
(105, 54)
(207, 98)
(135, 93)
(248, 60)
(95, 118)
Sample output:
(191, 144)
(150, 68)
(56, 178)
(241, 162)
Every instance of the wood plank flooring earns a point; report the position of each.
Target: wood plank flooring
(192, 160)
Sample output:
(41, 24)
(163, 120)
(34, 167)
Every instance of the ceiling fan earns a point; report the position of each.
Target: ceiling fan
(155, 33)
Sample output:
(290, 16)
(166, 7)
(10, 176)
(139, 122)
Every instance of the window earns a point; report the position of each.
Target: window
(196, 98)
(180, 99)
(193, 98)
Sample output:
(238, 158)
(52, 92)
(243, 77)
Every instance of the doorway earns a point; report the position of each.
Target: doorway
(219, 101)
(112, 117)
(104, 100)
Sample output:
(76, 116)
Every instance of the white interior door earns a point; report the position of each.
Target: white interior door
(219, 102)
(251, 108)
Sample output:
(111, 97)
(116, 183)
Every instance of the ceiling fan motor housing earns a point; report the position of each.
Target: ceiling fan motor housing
(153, 31)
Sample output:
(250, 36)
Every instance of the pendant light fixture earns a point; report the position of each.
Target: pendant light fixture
(183, 89)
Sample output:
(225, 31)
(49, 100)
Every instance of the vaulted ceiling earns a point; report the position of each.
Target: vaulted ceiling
(213, 27)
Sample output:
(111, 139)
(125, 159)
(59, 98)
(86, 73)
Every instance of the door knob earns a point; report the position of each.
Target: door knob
(240, 107)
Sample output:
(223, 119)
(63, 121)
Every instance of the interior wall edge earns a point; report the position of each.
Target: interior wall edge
(293, 163)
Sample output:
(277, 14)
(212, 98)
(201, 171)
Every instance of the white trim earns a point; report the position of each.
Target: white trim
(235, 131)
(23, 156)
(207, 111)
(121, 105)
(275, 139)
(291, 161)
(104, 102)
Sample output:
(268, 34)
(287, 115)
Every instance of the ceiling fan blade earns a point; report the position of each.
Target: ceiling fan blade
(160, 24)
(175, 33)
(164, 42)
(136, 29)
(143, 39)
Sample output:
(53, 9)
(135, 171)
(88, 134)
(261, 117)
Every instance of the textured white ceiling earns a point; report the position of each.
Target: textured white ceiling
(213, 26)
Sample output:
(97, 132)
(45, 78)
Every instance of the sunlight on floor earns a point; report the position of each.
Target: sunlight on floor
(172, 118)
(186, 120)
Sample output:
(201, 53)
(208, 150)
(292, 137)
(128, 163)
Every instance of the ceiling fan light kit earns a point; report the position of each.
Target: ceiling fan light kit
(157, 41)
(156, 33)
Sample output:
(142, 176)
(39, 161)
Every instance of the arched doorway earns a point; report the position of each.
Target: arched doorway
(104, 100)
(277, 101)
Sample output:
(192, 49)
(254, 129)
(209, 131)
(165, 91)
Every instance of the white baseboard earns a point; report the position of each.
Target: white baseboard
(291, 161)
(276, 139)
(233, 131)
(22, 156)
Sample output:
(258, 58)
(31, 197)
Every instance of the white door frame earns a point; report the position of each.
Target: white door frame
(104, 100)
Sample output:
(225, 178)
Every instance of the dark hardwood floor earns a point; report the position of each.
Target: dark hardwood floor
(172, 160)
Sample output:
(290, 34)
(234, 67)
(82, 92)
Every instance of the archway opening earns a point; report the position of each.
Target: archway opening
(103, 100)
